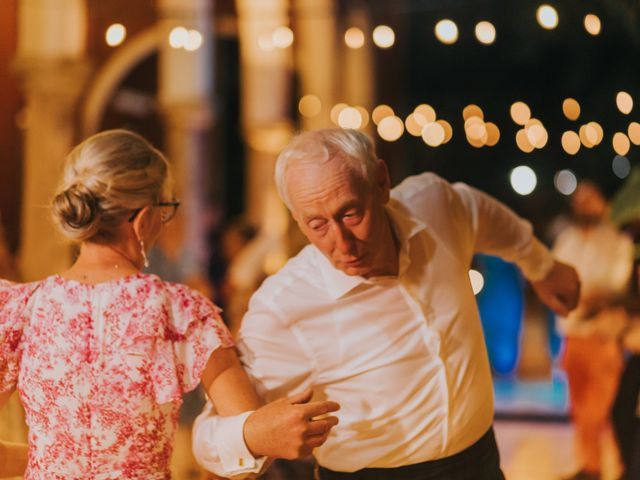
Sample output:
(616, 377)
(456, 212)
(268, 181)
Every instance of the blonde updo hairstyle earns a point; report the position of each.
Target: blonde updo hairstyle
(106, 178)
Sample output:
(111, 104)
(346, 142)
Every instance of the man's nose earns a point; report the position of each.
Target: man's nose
(343, 239)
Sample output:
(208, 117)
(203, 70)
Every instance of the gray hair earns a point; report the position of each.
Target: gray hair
(105, 178)
(321, 146)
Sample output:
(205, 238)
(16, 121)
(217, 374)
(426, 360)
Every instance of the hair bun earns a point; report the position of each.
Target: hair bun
(77, 211)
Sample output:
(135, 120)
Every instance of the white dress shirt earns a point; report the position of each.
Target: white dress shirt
(403, 355)
(603, 258)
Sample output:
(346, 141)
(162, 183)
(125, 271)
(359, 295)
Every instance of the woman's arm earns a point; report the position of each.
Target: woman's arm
(13, 456)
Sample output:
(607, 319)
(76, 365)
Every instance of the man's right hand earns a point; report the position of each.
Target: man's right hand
(288, 428)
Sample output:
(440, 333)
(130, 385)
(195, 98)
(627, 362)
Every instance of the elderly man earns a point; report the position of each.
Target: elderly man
(378, 314)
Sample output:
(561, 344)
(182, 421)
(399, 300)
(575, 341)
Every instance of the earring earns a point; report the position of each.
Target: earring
(145, 260)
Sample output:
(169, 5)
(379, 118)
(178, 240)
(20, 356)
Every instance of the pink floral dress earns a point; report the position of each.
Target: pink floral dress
(101, 370)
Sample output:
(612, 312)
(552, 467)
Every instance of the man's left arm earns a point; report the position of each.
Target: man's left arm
(497, 230)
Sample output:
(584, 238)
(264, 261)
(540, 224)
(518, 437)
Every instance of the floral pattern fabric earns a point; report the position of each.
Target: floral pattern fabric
(101, 369)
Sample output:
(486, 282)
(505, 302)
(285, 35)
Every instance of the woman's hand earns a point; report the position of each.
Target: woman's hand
(290, 428)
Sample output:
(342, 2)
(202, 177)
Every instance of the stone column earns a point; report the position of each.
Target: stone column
(316, 52)
(51, 64)
(186, 75)
(266, 97)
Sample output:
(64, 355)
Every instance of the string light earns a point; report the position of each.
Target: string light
(547, 17)
(565, 182)
(523, 180)
(477, 281)
(520, 113)
(354, 38)
(570, 142)
(571, 108)
(115, 34)
(446, 31)
(310, 106)
(485, 32)
(624, 101)
(390, 128)
(384, 36)
(592, 24)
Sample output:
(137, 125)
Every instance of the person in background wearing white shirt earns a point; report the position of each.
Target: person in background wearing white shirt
(603, 257)
(379, 315)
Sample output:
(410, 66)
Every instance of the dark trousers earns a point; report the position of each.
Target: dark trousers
(481, 461)
(626, 424)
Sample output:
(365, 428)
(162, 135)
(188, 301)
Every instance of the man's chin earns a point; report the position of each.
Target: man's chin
(355, 270)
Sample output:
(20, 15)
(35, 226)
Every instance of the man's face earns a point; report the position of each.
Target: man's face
(341, 214)
(588, 203)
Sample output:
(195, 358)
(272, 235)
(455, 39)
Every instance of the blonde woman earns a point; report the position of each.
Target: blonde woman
(101, 354)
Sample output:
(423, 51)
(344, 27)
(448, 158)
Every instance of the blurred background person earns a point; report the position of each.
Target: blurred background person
(603, 257)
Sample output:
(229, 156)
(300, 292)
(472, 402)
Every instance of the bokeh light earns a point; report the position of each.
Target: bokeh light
(570, 142)
(433, 134)
(523, 142)
(115, 34)
(571, 108)
(624, 101)
(621, 166)
(310, 106)
(448, 131)
(282, 37)
(621, 143)
(390, 128)
(523, 180)
(547, 17)
(565, 182)
(380, 112)
(354, 38)
(178, 37)
(350, 117)
(592, 24)
(520, 113)
(446, 31)
(634, 133)
(384, 36)
(194, 41)
(427, 111)
(485, 32)
(477, 281)
(472, 111)
(335, 111)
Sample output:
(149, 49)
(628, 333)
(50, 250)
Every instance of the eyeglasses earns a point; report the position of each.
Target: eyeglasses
(167, 212)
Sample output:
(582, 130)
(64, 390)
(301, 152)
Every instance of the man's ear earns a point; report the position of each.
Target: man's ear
(383, 181)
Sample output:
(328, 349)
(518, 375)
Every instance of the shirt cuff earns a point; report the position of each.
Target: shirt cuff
(537, 261)
(220, 447)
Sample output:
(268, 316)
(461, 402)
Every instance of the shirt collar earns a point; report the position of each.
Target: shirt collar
(405, 227)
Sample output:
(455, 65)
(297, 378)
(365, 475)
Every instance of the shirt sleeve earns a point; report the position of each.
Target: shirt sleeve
(496, 230)
(276, 362)
(14, 299)
(193, 332)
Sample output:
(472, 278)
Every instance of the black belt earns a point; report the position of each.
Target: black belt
(481, 461)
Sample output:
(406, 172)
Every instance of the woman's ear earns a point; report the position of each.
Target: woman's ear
(141, 223)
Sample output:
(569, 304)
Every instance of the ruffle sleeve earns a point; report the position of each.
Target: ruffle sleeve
(192, 332)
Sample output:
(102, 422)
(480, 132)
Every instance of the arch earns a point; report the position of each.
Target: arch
(111, 75)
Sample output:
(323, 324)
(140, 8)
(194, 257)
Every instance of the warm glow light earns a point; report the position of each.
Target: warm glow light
(598, 131)
(354, 37)
(547, 17)
(350, 118)
(621, 143)
(537, 134)
(364, 114)
(178, 37)
(426, 111)
(565, 182)
(584, 138)
(477, 281)
(472, 111)
(591, 132)
(448, 131)
(523, 142)
(433, 134)
(265, 42)
(571, 108)
(592, 24)
(383, 36)
(520, 113)
(634, 132)
(335, 111)
(493, 134)
(414, 123)
(624, 102)
(446, 31)
(523, 180)
(380, 112)
(486, 32)
(621, 166)
(309, 106)
(194, 42)
(390, 128)
(115, 34)
(477, 131)
(570, 142)
(282, 37)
